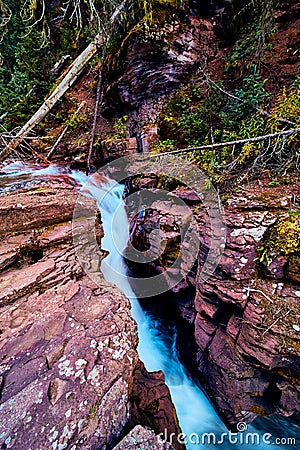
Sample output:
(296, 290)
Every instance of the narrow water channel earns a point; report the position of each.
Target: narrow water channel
(157, 343)
(157, 349)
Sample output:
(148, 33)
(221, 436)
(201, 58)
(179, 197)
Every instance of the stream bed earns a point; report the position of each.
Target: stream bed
(199, 421)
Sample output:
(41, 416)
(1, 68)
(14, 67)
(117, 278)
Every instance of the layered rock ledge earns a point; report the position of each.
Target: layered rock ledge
(69, 370)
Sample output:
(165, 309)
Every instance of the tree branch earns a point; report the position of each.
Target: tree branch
(64, 131)
(230, 143)
(96, 109)
(230, 95)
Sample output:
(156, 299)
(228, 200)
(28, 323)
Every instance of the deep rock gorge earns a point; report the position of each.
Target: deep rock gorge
(70, 374)
(243, 321)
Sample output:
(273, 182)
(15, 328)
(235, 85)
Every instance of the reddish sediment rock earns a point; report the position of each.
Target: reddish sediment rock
(68, 358)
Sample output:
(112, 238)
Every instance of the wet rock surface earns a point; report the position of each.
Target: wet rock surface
(152, 405)
(245, 317)
(19, 210)
(68, 354)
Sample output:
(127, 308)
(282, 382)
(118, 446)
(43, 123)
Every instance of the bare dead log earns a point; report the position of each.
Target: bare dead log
(229, 143)
(50, 153)
(96, 109)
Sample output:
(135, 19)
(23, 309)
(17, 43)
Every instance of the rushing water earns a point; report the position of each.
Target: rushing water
(158, 351)
(157, 345)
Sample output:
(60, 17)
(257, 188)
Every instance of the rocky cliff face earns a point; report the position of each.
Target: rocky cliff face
(70, 376)
(154, 60)
(244, 320)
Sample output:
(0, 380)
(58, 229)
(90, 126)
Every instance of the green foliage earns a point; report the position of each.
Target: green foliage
(77, 120)
(120, 128)
(251, 95)
(190, 113)
(202, 114)
(27, 59)
(282, 180)
(196, 112)
(164, 146)
(253, 26)
(27, 82)
(287, 106)
(283, 238)
(250, 48)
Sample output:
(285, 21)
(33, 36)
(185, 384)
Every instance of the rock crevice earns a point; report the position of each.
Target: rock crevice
(244, 318)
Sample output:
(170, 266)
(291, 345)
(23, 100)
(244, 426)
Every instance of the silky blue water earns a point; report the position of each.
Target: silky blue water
(195, 411)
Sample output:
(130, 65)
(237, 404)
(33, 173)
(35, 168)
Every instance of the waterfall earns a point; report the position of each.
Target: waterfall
(197, 416)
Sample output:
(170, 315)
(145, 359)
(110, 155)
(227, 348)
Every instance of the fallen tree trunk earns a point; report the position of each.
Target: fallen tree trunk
(64, 85)
(96, 109)
(69, 79)
(228, 143)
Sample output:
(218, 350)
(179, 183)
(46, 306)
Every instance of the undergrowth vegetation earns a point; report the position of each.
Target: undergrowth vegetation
(208, 112)
(203, 113)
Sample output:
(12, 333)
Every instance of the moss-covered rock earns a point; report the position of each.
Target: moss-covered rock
(283, 238)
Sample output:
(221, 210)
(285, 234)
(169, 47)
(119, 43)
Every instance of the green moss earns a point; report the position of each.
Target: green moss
(283, 238)
(265, 197)
(93, 410)
(287, 343)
